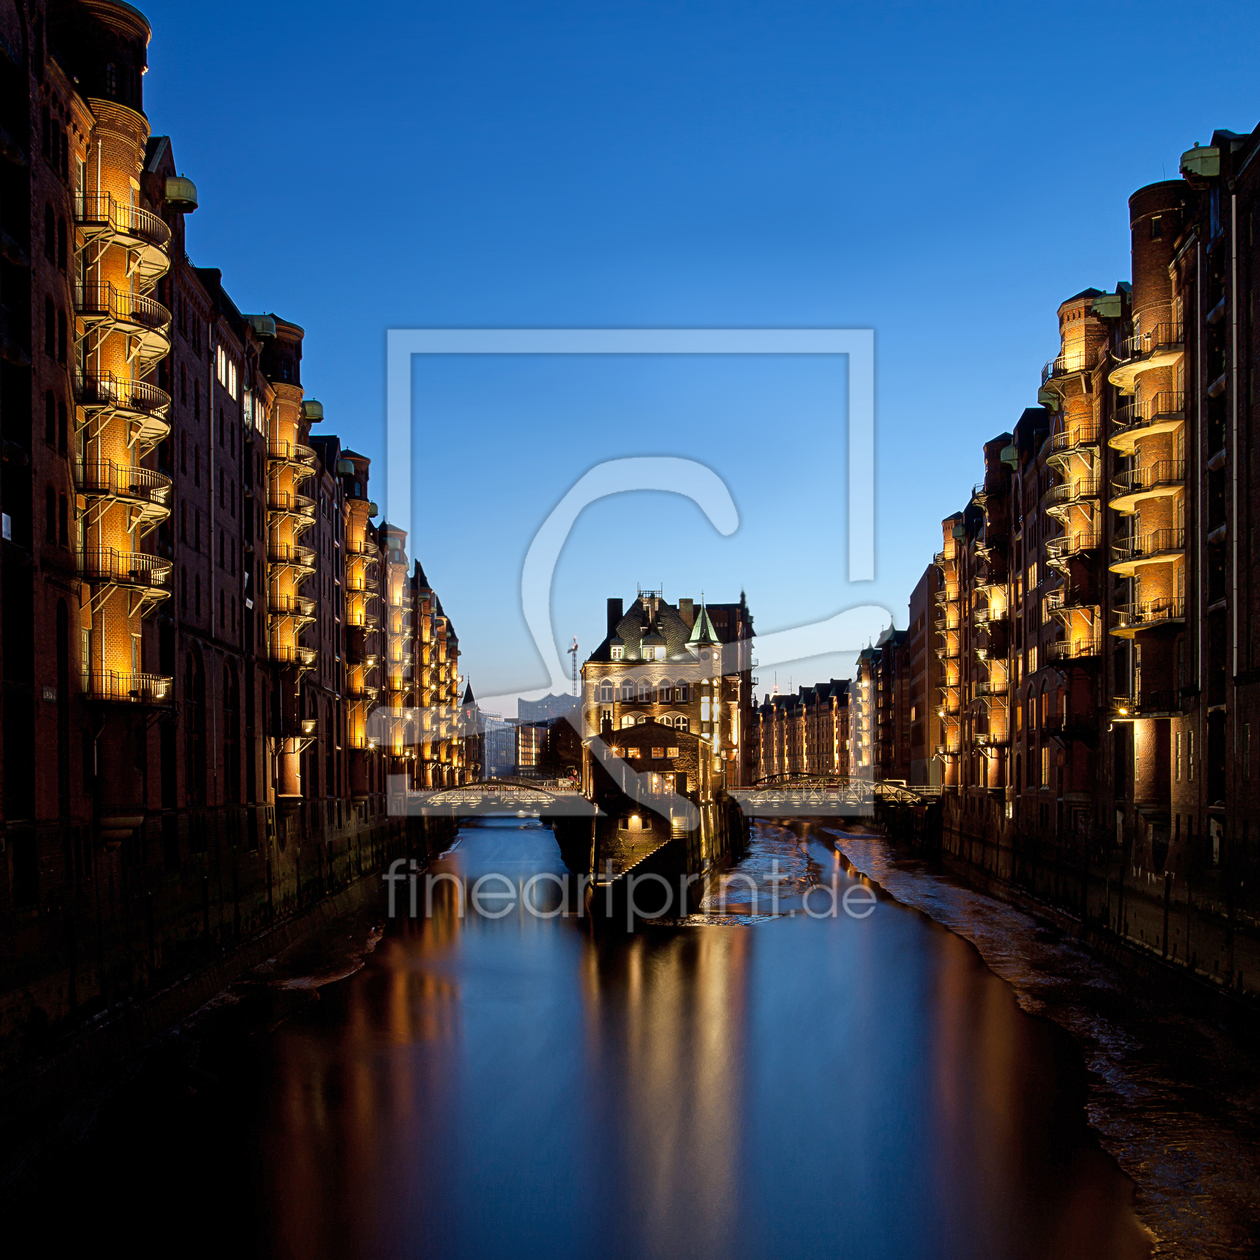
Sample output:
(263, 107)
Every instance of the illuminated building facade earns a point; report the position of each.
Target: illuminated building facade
(686, 665)
(1096, 605)
(191, 581)
(807, 733)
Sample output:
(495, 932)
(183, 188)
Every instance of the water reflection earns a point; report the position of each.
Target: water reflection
(527, 1087)
(521, 1087)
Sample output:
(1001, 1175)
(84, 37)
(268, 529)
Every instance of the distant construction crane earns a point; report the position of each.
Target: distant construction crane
(573, 653)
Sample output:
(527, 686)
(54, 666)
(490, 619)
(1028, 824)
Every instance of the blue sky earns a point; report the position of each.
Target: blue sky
(941, 173)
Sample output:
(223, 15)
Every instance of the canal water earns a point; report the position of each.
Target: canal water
(738, 1084)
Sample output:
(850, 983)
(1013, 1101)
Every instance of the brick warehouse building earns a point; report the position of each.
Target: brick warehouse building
(682, 664)
(200, 616)
(807, 733)
(1097, 645)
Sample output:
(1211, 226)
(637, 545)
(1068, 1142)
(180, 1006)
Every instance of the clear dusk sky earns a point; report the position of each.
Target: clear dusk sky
(945, 174)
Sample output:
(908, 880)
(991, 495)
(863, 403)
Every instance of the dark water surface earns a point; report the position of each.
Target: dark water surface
(527, 1087)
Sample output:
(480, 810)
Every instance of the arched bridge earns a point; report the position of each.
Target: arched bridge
(522, 798)
(812, 796)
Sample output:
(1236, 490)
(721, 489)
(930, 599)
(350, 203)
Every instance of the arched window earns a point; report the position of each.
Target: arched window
(682, 693)
(640, 719)
(627, 719)
(627, 689)
(645, 690)
(605, 691)
(681, 723)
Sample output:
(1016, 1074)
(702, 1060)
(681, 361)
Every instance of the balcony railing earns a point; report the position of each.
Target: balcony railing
(110, 684)
(291, 554)
(295, 453)
(1149, 546)
(1058, 549)
(301, 505)
(948, 750)
(104, 390)
(296, 654)
(1070, 492)
(1066, 365)
(1069, 440)
(102, 212)
(291, 606)
(1151, 612)
(127, 482)
(1166, 409)
(1162, 338)
(125, 568)
(1075, 649)
(106, 301)
(1147, 701)
(1163, 473)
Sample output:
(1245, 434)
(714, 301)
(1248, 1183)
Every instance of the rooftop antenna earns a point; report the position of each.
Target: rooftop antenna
(573, 653)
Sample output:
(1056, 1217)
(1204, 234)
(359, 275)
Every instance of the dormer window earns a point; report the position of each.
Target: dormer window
(618, 653)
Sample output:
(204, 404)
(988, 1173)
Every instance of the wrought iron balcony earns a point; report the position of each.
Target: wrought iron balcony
(146, 493)
(1061, 498)
(1150, 614)
(1060, 447)
(295, 455)
(142, 406)
(134, 569)
(1148, 702)
(1164, 412)
(1156, 480)
(143, 319)
(1059, 550)
(299, 607)
(141, 232)
(1155, 347)
(1075, 649)
(1067, 364)
(285, 503)
(292, 555)
(1155, 547)
(127, 687)
(296, 654)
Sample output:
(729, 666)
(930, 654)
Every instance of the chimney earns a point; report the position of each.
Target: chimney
(614, 616)
(687, 611)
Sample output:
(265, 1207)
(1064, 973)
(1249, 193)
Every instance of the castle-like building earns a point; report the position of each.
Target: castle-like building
(686, 665)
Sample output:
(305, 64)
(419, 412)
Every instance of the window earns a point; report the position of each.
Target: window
(671, 752)
(682, 693)
(1177, 757)
(645, 690)
(634, 753)
(63, 520)
(1157, 226)
(605, 691)
(627, 690)
(658, 753)
(627, 719)
(618, 653)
